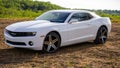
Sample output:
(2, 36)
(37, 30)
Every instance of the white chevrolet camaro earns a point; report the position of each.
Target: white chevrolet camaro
(57, 28)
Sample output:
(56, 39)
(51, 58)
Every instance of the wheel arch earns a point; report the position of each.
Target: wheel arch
(103, 26)
(56, 33)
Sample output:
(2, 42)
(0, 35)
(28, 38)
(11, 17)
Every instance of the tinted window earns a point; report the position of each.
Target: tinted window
(81, 16)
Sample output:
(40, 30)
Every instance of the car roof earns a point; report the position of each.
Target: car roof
(71, 11)
(75, 11)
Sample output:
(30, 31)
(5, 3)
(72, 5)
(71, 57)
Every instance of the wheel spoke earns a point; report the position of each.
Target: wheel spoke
(50, 38)
(103, 38)
(54, 46)
(55, 40)
(46, 42)
(103, 33)
(48, 48)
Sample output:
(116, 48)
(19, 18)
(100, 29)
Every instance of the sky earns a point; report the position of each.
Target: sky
(87, 4)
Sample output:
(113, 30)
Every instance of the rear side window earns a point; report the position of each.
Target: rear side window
(89, 16)
(82, 16)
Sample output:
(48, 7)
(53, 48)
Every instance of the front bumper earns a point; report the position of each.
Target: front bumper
(18, 41)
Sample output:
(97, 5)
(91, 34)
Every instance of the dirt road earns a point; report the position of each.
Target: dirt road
(83, 55)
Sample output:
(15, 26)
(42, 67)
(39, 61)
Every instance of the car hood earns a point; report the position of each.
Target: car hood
(29, 25)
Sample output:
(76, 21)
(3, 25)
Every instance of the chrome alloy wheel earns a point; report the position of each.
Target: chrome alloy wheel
(101, 35)
(51, 42)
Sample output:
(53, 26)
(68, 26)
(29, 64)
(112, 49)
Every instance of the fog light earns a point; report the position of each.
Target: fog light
(30, 43)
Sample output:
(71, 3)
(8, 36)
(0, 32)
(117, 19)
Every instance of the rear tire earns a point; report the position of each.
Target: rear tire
(51, 43)
(101, 35)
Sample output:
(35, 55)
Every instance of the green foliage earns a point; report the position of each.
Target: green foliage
(114, 17)
(31, 9)
(24, 8)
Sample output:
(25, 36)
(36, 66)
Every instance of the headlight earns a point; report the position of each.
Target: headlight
(30, 33)
(20, 34)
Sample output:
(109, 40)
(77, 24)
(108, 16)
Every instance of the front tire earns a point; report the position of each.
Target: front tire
(101, 35)
(52, 42)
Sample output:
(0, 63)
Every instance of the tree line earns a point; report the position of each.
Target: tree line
(31, 9)
(24, 8)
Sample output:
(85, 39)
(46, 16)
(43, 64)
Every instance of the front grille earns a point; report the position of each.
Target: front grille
(19, 34)
(16, 43)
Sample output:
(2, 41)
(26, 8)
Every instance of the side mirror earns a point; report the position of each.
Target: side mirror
(73, 20)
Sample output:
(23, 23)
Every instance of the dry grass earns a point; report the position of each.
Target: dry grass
(83, 55)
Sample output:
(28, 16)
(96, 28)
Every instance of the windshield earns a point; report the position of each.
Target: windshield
(58, 17)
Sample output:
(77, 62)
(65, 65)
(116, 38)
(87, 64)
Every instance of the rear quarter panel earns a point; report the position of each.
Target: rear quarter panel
(98, 22)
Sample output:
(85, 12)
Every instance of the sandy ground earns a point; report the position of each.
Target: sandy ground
(82, 55)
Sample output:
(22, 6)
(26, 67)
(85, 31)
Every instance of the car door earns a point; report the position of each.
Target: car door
(80, 28)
